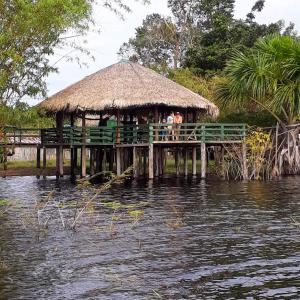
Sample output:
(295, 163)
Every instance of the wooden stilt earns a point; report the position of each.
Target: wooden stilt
(73, 163)
(92, 161)
(44, 161)
(245, 166)
(104, 160)
(223, 161)
(75, 158)
(151, 173)
(156, 121)
(156, 159)
(59, 149)
(203, 160)
(186, 160)
(38, 161)
(145, 162)
(118, 161)
(111, 159)
(83, 148)
(59, 162)
(135, 162)
(177, 162)
(4, 158)
(194, 161)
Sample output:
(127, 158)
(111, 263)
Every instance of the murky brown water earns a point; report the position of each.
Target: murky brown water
(196, 240)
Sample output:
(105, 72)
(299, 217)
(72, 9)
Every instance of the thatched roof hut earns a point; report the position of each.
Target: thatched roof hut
(123, 86)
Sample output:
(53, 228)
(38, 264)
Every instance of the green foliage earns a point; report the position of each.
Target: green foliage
(195, 83)
(29, 32)
(24, 116)
(268, 75)
(156, 43)
(202, 35)
(216, 40)
(252, 118)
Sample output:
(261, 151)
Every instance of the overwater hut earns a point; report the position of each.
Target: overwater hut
(133, 95)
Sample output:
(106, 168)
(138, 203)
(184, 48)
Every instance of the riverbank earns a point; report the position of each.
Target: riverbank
(28, 168)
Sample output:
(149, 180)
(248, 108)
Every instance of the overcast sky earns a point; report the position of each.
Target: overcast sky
(114, 32)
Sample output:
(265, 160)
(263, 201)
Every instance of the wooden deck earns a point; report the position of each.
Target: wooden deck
(121, 146)
(126, 136)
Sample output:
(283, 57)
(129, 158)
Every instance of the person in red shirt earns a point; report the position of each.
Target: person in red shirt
(177, 121)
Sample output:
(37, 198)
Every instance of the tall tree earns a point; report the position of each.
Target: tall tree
(268, 75)
(156, 43)
(29, 33)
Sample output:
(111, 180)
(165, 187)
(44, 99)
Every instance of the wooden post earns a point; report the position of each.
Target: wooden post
(44, 161)
(4, 158)
(156, 121)
(59, 149)
(75, 158)
(104, 160)
(177, 162)
(156, 160)
(151, 173)
(38, 161)
(118, 128)
(203, 160)
(118, 158)
(245, 166)
(73, 164)
(83, 147)
(111, 159)
(194, 161)
(92, 161)
(145, 162)
(135, 162)
(186, 160)
(72, 149)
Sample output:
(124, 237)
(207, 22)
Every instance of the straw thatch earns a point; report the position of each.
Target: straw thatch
(125, 85)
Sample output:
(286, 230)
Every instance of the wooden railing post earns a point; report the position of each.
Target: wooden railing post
(203, 160)
(151, 150)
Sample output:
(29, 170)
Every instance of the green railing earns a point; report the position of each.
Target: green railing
(14, 135)
(130, 134)
(198, 132)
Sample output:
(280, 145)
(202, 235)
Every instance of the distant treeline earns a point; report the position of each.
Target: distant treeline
(22, 115)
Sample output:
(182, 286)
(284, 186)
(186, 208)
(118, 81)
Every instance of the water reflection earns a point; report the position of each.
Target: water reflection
(197, 240)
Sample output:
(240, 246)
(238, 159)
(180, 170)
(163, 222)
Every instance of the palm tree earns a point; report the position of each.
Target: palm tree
(268, 75)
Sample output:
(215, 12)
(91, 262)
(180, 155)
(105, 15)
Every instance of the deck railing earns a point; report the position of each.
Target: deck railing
(198, 132)
(130, 134)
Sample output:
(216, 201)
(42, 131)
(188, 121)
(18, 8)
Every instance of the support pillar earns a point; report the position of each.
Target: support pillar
(38, 161)
(83, 148)
(92, 161)
(44, 161)
(177, 162)
(135, 162)
(59, 149)
(151, 173)
(73, 163)
(194, 161)
(203, 160)
(245, 166)
(186, 161)
(118, 158)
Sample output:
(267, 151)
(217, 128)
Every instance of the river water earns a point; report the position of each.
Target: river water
(193, 240)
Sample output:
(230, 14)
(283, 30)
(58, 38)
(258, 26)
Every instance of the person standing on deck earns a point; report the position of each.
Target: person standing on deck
(170, 122)
(177, 122)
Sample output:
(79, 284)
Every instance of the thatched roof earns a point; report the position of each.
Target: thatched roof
(125, 85)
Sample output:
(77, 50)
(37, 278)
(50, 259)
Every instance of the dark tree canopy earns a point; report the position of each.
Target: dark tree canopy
(202, 35)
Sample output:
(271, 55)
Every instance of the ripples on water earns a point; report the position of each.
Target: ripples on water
(196, 240)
